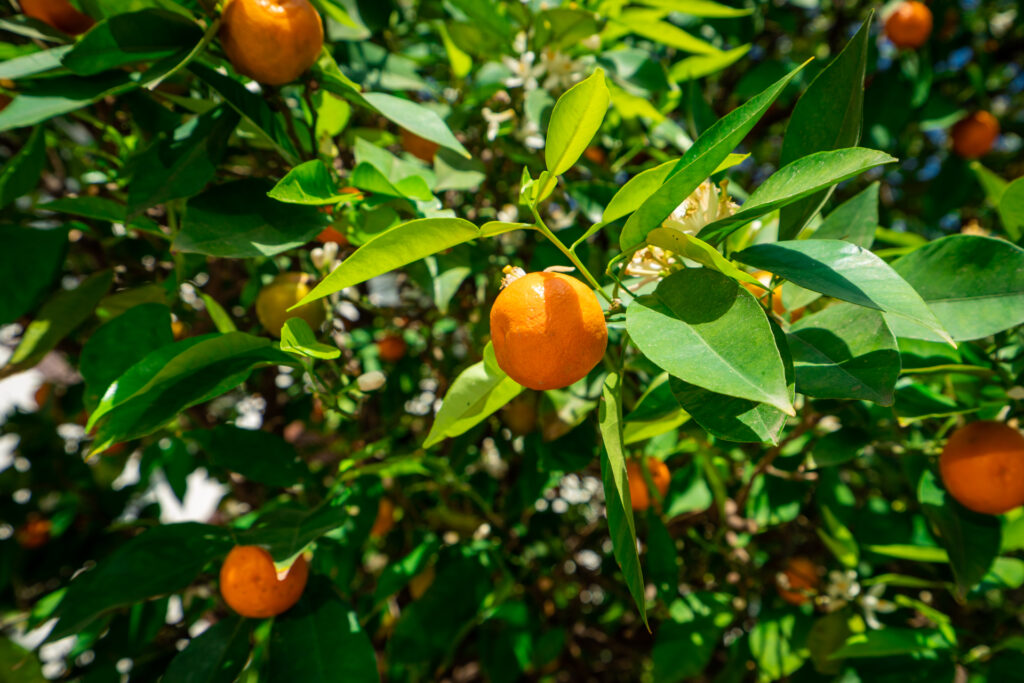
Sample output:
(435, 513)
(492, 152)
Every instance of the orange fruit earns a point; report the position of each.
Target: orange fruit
(331, 234)
(765, 278)
(798, 581)
(271, 41)
(520, 414)
(43, 394)
(595, 155)
(179, 330)
(639, 494)
(253, 587)
(909, 25)
(385, 520)
(421, 148)
(391, 348)
(60, 14)
(982, 466)
(282, 293)
(34, 533)
(548, 330)
(974, 135)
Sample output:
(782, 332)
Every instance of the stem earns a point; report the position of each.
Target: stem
(546, 231)
(208, 36)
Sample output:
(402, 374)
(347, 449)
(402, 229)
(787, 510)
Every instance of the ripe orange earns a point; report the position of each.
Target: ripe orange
(974, 135)
(271, 41)
(60, 14)
(254, 588)
(331, 234)
(765, 278)
(420, 148)
(285, 291)
(385, 520)
(638, 492)
(798, 581)
(595, 154)
(909, 25)
(548, 330)
(391, 348)
(982, 466)
(34, 533)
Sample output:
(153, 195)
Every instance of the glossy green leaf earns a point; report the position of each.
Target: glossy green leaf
(845, 271)
(180, 163)
(415, 118)
(699, 66)
(616, 491)
(688, 328)
(20, 174)
(699, 162)
(257, 455)
(394, 248)
(238, 220)
(368, 177)
(33, 63)
(839, 539)
(974, 285)
(297, 338)
(174, 377)
(62, 313)
(131, 38)
(650, 24)
(217, 655)
(308, 183)
(120, 343)
(698, 250)
(686, 642)
(327, 633)
(159, 561)
(476, 393)
(575, 119)
(890, 642)
(29, 264)
(855, 220)
(914, 553)
(827, 116)
(221, 320)
(797, 180)
(845, 351)
(700, 8)
(971, 539)
(778, 644)
(1011, 208)
(286, 530)
(100, 208)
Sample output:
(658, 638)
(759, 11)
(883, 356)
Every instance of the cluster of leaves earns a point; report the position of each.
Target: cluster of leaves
(149, 192)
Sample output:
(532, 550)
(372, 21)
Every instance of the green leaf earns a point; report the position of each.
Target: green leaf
(175, 377)
(974, 285)
(309, 183)
(20, 175)
(131, 38)
(476, 393)
(297, 338)
(287, 530)
(890, 642)
(778, 644)
(217, 655)
(685, 643)
(1011, 208)
(616, 491)
(394, 248)
(575, 119)
(160, 561)
(257, 455)
(700, 8)
(698, 250)
(221, 320)
(699, 162)
(368, 177)
(797, 180)
(828, 634)
(845, 351)
(827, 116)
(34, 63)
(65, 311)
(650, 24)
(688, 327)
(102, 209)
(839, 539)
(855, 220)
(327, 633)
(119, 344)
(18, 665)
(971, 539)
(238, 220)
(399, 573)
(915, 553)
(845, 271)
(29, 264)
(699, 66)
(415, 118)
(181, 163)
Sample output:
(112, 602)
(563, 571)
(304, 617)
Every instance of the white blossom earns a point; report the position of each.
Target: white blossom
(495, 119)
(562, 71)
(705, 205)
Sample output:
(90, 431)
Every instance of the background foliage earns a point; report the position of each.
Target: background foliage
(148, 193)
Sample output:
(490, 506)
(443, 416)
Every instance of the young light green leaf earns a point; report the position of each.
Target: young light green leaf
(575, 119)
(476, 393)
(700, 8)
(415, 118)
(297, 338)
(795, 181)
(699, 162)
(616, 491)
(1011, 208)
(699, 66)
(845, 271)
(826, 117)
(651, 25)
(688, 327)
(221, 320)
(34, 63)
(394, 248)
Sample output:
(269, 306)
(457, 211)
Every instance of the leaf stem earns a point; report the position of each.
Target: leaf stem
(546, 231)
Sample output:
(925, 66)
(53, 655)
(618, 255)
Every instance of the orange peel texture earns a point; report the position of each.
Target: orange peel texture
(975, 135)
(286, 290)
(982, 466)
(639, 494)
(252, 587)
(910, 25)
(271, 41)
